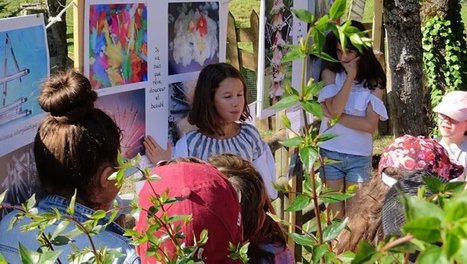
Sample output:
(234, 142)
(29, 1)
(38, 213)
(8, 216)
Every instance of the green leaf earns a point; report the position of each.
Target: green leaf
(461, 257)
(304, 15)
(312, 89)
(424, 228)
(308, 156)
(431, 255)
(292, 142)
(97, 215)
(60, 227)
(285, 102)
(364, 253)
(323, 55)
(325, 137)
(334, 197)
(61, 240)
(456, 208)
(31, 202)
(434, 184)
(452, 244)
(319, 251)
(300, 202)
(331, 231)
(319, 39)
(154, 177)
(313, 107)
(337, 9)
(2, 196)
(28, 256)
(420, 208)
(286, 121)
(303, 239)
(346, 257)
(294, 53)
(71, 206)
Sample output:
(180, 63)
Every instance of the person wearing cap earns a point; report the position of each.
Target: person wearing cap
(203, 192)
(452, 125)
(406, 159)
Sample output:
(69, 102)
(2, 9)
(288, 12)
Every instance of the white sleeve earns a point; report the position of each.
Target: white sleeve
(378, 107)
(266, 168)
(181, 148)
(328, 91)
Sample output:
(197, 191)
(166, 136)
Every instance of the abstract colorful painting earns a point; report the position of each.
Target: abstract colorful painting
(193, 36)
(118, 44)
(127, 110)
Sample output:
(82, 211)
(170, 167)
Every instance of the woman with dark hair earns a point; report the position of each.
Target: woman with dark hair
(75, 148)
(352, 94)
(268, 242)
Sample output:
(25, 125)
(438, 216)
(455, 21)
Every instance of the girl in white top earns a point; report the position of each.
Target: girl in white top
(219, 109)
(452, 125)
(353, 91)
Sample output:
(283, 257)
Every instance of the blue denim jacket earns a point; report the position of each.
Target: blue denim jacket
(111, 237)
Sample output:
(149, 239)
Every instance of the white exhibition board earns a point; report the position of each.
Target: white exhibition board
(278, 29)
(24, 64)
(168, 42)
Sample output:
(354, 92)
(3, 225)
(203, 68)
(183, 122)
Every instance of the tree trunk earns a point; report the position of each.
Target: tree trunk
(402, 23)
(59, 54)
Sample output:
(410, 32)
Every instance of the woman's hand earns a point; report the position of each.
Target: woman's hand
(154, 152)
(351, 67)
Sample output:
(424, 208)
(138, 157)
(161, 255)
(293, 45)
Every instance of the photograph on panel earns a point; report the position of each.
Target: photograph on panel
(193, 36)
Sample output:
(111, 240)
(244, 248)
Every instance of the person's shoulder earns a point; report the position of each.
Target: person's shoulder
(328, 76)
(188, 136)
(463, 145)
(249, 128)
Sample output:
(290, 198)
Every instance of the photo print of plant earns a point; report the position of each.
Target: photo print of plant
(181, 96)
(278, 28)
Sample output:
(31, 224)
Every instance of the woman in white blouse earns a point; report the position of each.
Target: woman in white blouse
(352, 93)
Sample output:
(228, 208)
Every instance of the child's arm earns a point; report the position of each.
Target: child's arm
(267, 169)
(367, 123)
(336, 104)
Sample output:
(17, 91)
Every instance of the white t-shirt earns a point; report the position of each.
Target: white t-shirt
(348, 140)
(458, 155)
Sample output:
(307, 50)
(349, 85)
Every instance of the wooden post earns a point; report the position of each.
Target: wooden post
(232, 46)
(78, 35)
(378, 33)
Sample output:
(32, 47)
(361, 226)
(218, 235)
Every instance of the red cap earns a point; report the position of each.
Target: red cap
(206, 195)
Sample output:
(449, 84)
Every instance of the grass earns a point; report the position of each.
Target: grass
(241, 10)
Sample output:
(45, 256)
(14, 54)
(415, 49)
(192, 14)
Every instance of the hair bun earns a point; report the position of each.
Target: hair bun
(68, 97)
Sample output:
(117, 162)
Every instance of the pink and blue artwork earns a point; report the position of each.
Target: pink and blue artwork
(127, 110)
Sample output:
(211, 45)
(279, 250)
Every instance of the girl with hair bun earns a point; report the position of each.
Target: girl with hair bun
(75, 148)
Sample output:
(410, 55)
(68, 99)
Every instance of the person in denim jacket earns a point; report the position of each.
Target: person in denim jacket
(75, 148)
